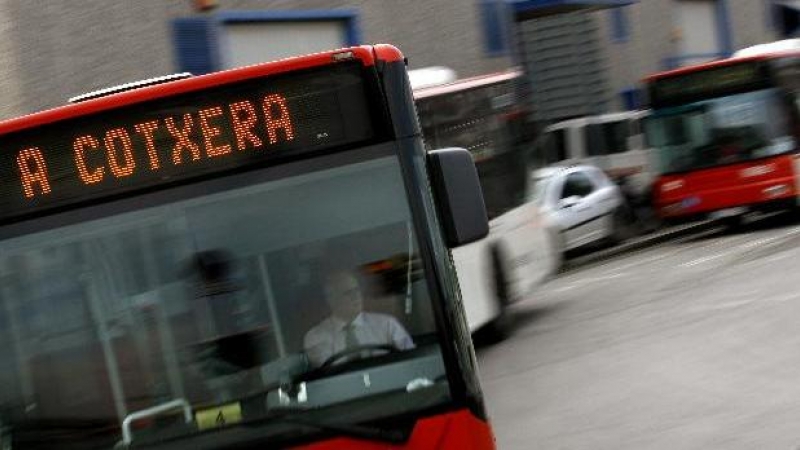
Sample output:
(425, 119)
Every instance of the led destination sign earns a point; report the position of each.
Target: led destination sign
(253, 122)
(708, 83)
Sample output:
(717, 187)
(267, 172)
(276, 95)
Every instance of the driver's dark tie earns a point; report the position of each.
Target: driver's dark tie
(350, 338)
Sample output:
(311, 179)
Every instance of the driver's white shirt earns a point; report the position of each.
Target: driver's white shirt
(328, 337)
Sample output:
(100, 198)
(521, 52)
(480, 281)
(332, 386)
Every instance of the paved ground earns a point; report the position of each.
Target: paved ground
(689, 345)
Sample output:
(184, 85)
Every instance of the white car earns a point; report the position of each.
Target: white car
(612, 142)
(581, 204)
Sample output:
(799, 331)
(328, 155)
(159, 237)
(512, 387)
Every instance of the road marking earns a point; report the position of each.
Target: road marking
(780, 256)
(725, 305)
(705, 259)
(580, 282)
(743, 247)
(755, 298)
(648, 260)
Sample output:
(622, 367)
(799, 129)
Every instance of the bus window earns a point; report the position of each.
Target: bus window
(479, 120)
(607, 138)
(551, 147)
(596, 141)
(616, 135)
(190, 309)
(722, 130)
(638, 139)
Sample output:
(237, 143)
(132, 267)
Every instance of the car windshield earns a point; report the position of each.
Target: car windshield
(722, 130)
(180, 316)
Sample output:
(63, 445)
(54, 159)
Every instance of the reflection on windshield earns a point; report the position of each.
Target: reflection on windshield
(201, 314)
(350, 332)
(722, 131)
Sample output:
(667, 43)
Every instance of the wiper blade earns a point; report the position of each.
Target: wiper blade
(350, 430)
(295, 416)
(55, 432)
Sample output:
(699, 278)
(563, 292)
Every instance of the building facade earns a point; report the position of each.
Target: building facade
(583, 63)
(50, 51)
(577, 62)
(652, 36)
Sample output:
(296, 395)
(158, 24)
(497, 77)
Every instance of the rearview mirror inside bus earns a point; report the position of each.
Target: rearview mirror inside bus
(459, 198)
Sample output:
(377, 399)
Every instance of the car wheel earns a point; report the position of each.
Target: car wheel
(733, 223)
(559, 249)
(794, 213)
(620, 225)
(500, 327)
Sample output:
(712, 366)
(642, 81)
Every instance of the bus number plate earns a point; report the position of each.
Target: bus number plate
(219, 417)
(690, 202)
(729, 212)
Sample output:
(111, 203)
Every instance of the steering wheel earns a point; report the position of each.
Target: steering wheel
(355, 350)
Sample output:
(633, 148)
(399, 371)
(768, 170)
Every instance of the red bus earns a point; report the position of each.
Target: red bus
(255, 258)
(726, 136)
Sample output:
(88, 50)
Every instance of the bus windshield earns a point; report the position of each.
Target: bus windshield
(722, 130)
(221, 304)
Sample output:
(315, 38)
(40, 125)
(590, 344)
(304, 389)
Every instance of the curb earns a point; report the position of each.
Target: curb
(650, 240)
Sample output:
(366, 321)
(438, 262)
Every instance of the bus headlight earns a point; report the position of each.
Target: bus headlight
(672, 209)
(672, 185)
(776, 191)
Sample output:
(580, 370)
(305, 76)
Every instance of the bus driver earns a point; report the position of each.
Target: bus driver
(349, 326)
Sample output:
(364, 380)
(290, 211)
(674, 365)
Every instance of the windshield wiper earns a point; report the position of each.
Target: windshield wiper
(296, 416)
(54, 432)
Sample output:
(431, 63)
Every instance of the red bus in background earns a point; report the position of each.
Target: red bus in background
(166, 251)
(726, 136)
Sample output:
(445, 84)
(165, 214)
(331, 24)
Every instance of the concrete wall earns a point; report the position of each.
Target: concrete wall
(652, 38)
(51, 50)
(565, 67)
(649, 43)
(751, 23)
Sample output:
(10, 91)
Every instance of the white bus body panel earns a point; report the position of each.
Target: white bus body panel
(529, 257)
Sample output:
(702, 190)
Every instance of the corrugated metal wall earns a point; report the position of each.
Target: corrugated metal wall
(565, 66)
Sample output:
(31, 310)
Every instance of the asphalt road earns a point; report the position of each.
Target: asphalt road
(689, 345)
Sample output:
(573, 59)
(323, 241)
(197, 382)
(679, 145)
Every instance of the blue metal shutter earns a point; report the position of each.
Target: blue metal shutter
(196, 45)
(619, 24)
(495, 20)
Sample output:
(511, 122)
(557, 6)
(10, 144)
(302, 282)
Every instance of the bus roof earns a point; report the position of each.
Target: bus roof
(720, 63)
(465, 84)
(600, 118)
(367, 54)
(782, 46)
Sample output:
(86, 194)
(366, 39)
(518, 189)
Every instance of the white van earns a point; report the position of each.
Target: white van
(612, 142)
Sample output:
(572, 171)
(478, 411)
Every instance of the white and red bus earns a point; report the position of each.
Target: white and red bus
(163, 252)
(726, 136)
(482, 114)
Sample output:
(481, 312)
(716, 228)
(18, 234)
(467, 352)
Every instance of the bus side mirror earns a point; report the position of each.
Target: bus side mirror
(458, 196)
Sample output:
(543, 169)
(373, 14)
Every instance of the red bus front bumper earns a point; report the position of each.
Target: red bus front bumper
(756, 185)
(454, 431)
